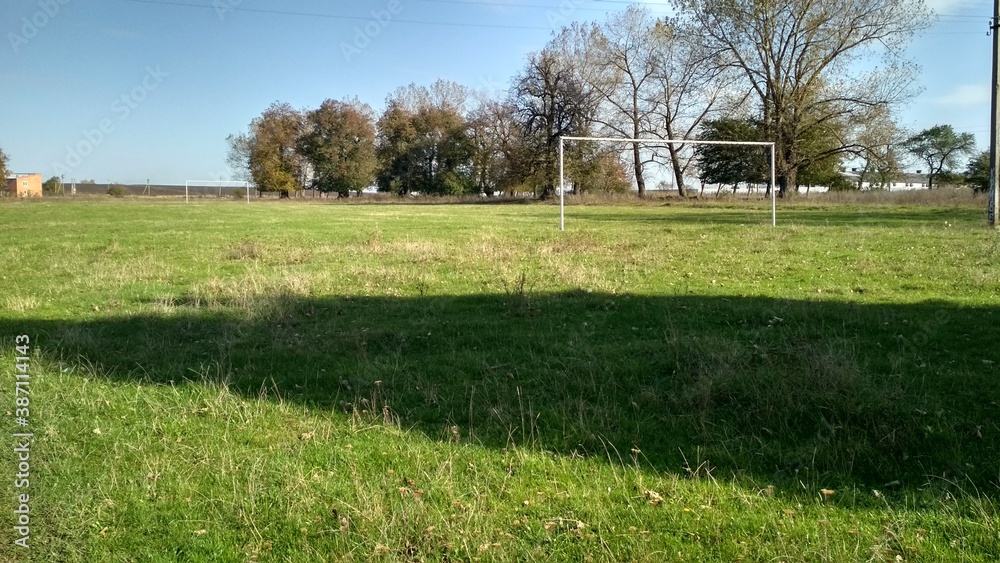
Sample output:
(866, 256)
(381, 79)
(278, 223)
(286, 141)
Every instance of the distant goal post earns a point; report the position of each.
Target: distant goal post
(661, 142)
(216, 184)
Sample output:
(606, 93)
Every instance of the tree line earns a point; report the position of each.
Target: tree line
(783, 71)
(763, 70)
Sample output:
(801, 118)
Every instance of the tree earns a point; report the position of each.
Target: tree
(498, 140)
(276, 166)
(423, 142)
(825, 170)
(599, 170)
(238, 156)
(442, 94)
(621, 52)
(879, 147)
(732, 165)
(444, 152)
(796, 57)
(651, 81)
(339, 144)
(552, 101)
(625, 50)
(4, 160)
(396, 137)
(691, 87)
(977, 172)
(939, 147)
(53, 186)
(268, 153)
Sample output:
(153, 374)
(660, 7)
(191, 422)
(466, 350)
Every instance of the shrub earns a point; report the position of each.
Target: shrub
(977, 174)
(239, 193)
(838, 183)
(117, 190)
(53, 186)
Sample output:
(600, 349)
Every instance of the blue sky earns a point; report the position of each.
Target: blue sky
(130, 90)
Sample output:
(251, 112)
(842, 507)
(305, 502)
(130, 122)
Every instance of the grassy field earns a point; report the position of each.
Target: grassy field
(319, 382)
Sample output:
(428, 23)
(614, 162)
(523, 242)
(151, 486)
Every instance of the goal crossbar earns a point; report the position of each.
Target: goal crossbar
(219, 183)
(562, 180)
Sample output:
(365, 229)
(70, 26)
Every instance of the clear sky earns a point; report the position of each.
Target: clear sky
(130, 90)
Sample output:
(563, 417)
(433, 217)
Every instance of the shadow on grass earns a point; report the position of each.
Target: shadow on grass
(774, 390)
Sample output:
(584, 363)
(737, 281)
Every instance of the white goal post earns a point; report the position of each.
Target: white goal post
(219, 183)
(562, 181)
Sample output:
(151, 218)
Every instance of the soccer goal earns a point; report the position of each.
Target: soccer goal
(660, 142)
(215, 184)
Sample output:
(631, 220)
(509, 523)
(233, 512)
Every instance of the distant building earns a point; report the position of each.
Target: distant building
(23, 185)
(901, 181)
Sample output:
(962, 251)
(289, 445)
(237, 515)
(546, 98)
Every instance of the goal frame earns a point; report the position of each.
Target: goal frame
(662, 142)
(219, 183)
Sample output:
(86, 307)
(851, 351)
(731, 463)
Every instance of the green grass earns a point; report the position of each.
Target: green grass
(298, 382)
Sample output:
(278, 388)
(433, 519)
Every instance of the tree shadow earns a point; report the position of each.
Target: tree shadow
(770, 389)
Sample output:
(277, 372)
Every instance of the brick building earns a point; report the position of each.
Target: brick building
(23, 185)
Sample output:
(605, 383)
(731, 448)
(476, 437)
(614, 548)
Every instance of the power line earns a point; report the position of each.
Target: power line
(971, 16)
(336, 17)
(296, 13)
(535, 6)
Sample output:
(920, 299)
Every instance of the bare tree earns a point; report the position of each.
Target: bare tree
(690, 87)
(796, 57)
(653, 80)
(238, 155)
(499, 145)
(623, 51)
(442, 94)
(879, 145)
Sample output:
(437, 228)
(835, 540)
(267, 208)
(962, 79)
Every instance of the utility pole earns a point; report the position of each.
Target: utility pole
(994, 203)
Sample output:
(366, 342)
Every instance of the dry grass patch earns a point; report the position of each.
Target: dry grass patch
(256, 294)
(282, 254)
(20, 303)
